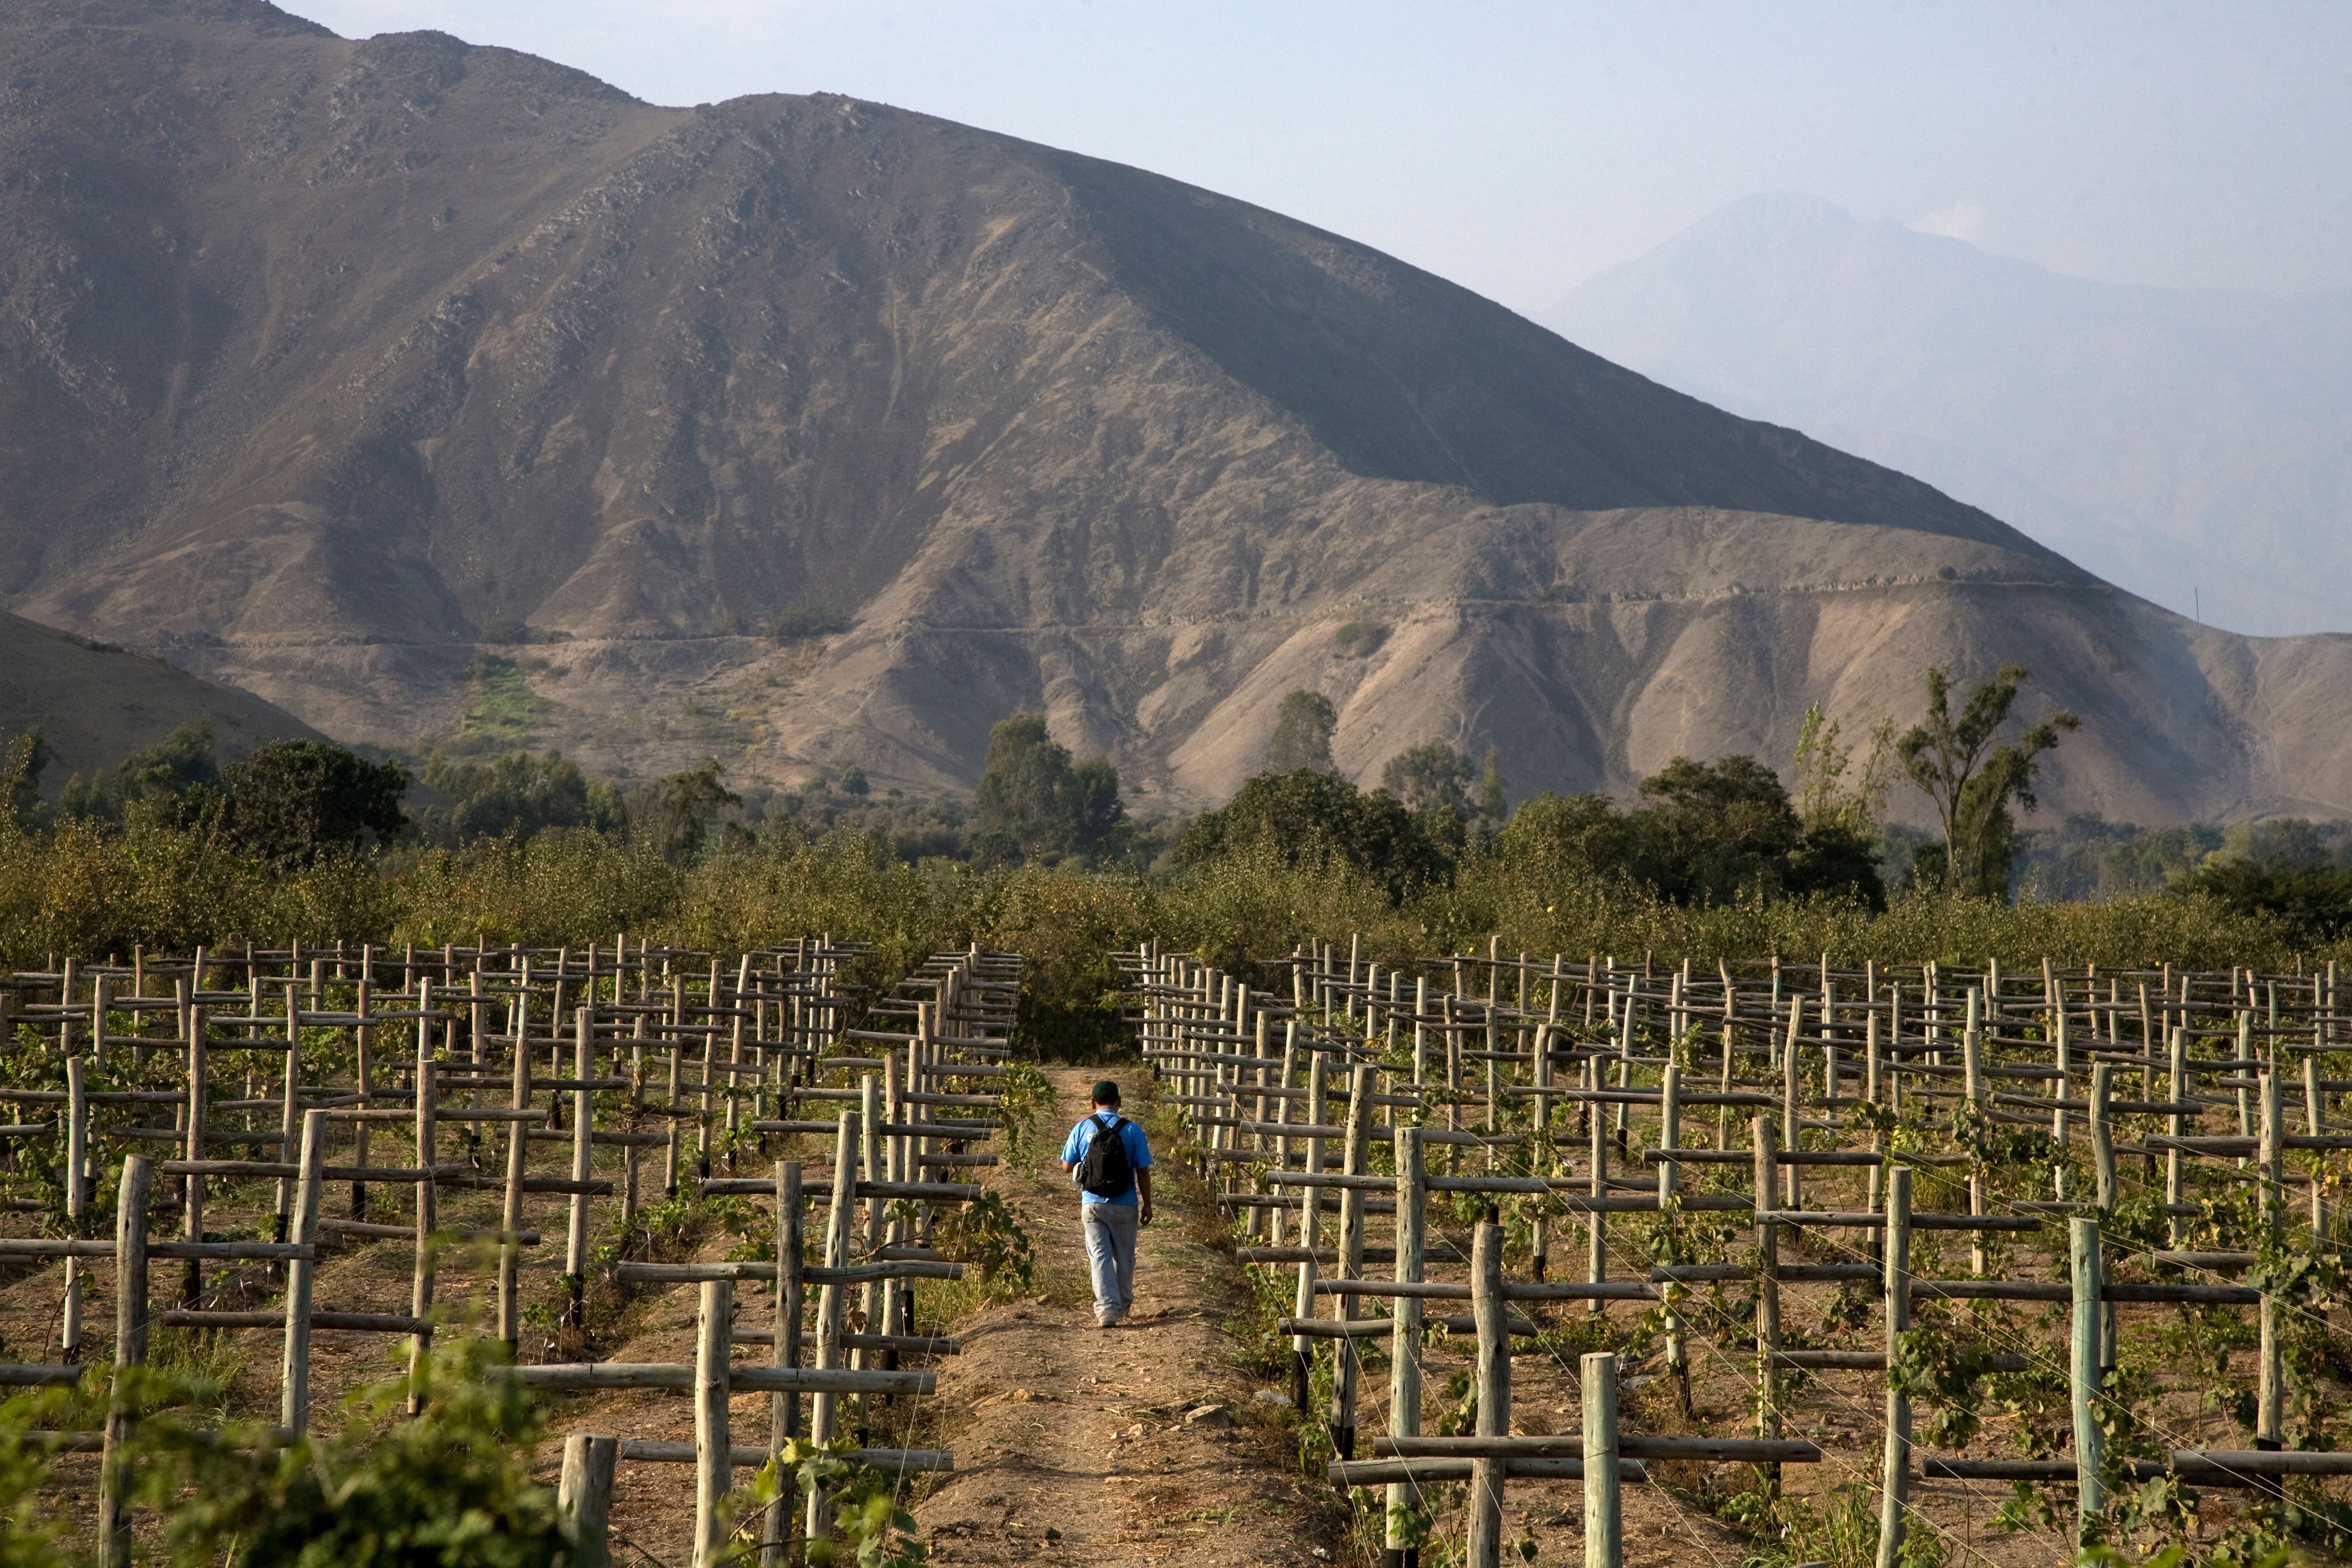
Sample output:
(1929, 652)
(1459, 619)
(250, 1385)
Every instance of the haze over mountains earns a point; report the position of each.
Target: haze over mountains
(398, 380)
(2169, 440)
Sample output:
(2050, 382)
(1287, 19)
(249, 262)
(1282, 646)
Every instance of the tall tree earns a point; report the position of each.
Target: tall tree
(291, 800)
(1493, 808)
(180, 761)
(688, 801)
(1824, 798)
(1303, 728)
(22, 758)
(1032, 799)
(1972, 782)
(1310, 819)
(1429, 777)
(522, 795)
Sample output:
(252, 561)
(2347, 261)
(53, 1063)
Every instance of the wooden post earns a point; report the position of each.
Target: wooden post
(1596, 1259)
(294, 1370)
(518, 1152)
(1302, 1349)
(2270, 1422)
(364, 1072)
(585, 1497)
(677, 1022)
(1670, 1123)
(1896, 1476)
(1768, 1290)
(2103, 1135)
(785, 1409)
(77, 1201)
(1604, 1545)
(290, 1127)
(1346, 1365)
(714, 1450)
(1973, 1089)
(1404, 1346)
(871, 1153)
(2315, 1115)
(2090, 1442)
(823, 1410)
(129, 1349)
(1790, 1184)
(584, 1122)
(420, 1296)
(2177, 1088)
(1492, 1316)
(191, 1200)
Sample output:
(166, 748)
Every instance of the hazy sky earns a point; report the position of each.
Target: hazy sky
(1519, 148)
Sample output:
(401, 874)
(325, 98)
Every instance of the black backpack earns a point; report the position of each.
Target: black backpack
(1107, 1171)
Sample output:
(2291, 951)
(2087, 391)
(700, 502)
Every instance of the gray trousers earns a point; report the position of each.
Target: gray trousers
(1110, 1249)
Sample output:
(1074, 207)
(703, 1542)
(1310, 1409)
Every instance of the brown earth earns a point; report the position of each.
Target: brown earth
(328, 366)
(97, 703)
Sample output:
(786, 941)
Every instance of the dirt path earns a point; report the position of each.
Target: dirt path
(1140, 1444)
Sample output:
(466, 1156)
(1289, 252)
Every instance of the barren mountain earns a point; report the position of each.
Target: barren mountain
(95, 704)
(399, 379)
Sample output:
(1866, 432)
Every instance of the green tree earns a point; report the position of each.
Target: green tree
(2314, 901)
(1306, 818)
(522, 795)
(294, 800)
(1032, 801)
(1431, 776)
(684, 803)
(1973, 783)
(21, 762)
(181, 762)
(1711, 833)
(1493, 808)
(1824, 798)
(1303, 728)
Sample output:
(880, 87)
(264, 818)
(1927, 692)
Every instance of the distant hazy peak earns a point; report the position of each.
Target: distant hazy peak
(2189, 444)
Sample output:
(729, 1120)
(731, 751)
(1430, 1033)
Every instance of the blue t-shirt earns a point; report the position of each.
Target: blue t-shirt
(1139, 1151)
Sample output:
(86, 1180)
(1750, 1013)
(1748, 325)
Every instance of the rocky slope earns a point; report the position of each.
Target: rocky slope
(97, 704)
(331, 368)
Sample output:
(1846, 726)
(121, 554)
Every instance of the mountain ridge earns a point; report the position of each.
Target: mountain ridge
(349, 366)
(2167, 438)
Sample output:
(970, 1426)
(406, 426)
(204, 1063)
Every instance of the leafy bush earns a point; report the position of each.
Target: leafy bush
(450, 1488)
(795, 622)
(1429, 776)
(2313, 901)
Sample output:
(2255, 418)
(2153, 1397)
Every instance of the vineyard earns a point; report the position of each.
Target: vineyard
(1483, 1256)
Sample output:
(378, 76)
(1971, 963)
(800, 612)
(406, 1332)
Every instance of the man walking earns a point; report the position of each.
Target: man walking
(1110, 1160)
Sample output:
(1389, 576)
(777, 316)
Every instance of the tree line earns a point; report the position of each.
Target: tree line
(1695, 832)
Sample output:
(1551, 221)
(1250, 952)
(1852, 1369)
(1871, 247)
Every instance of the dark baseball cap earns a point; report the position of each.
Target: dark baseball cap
(1105, 1092)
